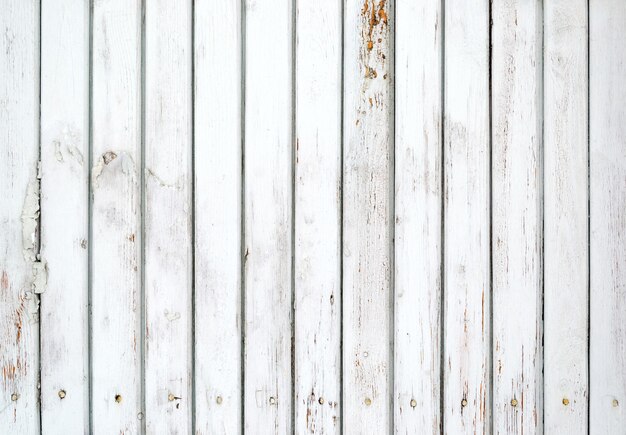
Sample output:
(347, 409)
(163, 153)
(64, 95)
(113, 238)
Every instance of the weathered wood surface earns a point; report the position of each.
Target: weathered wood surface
(566, 257)
(418, 201)
(607, 202)
(218, 212)
(317, 218)
(367, 216)
(516, 216)
(116, 239)
(371, 216)
(467, 302)
(21, 273)
(168, 211)
(65, 199)
(268, 194)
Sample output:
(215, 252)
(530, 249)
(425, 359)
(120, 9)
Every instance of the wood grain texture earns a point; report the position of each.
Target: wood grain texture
(64, 225)
(467, 335)
(418, 169)
(367, 216)
(168, 215)
(607, 166)
(217, 162)
(116, 217)
(19, 216)
(317, 217)
(517, 216)
(268, 182)
(566, 387)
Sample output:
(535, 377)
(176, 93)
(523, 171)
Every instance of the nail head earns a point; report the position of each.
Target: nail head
(565, 401)
(321, 400)
(413, 403)
(118, 398)
(513, 402)
(615, 403)
(62, 394)
(218, 400)
(14, 397)
(463, 403)
(368, 401)
(272, 401)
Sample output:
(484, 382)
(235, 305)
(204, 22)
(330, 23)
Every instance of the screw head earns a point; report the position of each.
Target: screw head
(413, 403)
(514, 402)
(464, 403)
(368, 401)
(321, 400)
(14, 397)
(62, 394)
(218, 400)
(171, 397)
(565, 401)
(272, 400)
(118, 398)
(615, 403)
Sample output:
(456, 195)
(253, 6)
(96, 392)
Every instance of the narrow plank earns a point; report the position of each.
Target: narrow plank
(467, 334)
(65, 222)
(418, 169)
(607, 170)
(217, 133)
(566, 387)
(367, 216)
(268, 216)
(19, 216)
(115, 217)
(516, 213)
(167, 211)
(317, 222)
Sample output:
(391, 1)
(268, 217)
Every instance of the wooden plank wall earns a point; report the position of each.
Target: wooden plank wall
(297, 217)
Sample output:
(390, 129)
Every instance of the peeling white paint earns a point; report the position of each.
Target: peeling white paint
(30, 217)
(66, 145)
(172, 316)
(150, 174)
(32, 307)
(40, 276)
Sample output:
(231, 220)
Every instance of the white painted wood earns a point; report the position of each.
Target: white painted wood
(367, 217)
(217, 161)
(418, 172)
(467, 334)
(168, 216)
(268, 216)
(116, 217)
(566, 390)
(317, 217)
(607, 129)
(19, 216)
(64, 224)
(516, 216)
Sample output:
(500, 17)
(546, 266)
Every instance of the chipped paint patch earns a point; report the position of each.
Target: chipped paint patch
(30, 217)
(172, 316)
(106, 160)
(40, 276)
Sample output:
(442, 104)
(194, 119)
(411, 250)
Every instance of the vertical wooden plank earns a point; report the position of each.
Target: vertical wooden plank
(418, 153)
(516, 213)
(115, 216)
(467, 334)
(64, 223)
(268, 216)
(566, 391)
(317, 223)
(217, 133)
(607, 170)
(367, 216)
(20, 269)
(168, 216)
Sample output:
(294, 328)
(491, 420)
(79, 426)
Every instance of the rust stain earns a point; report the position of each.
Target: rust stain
(4, 281)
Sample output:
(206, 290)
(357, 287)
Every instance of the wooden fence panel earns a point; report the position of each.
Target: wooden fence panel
(116, 239)
(566, 234)
(168, 205)
(516, 217)
(268, 179)
(22, 275)
(466, 219)
(607, 202)
(418, 201)
(65, 223)
(217, 189)
(317, 218)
